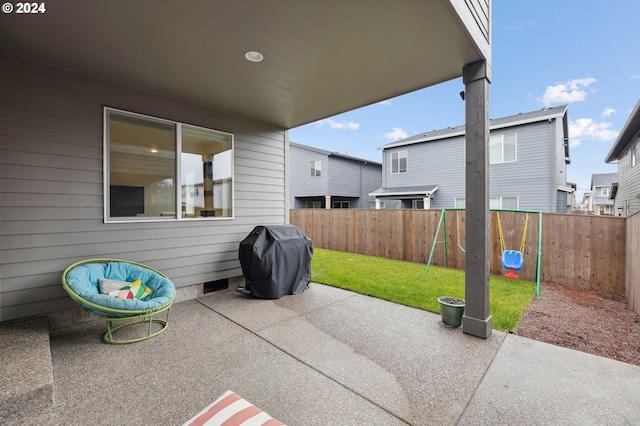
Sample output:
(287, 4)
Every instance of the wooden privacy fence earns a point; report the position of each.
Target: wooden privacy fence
(584, 252)
(632, 270)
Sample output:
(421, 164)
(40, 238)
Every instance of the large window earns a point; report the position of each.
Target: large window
(315, 168)
(161, 170)
(399, 162)
(502, 148)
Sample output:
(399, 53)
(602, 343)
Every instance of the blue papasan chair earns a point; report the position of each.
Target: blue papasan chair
(121, 291)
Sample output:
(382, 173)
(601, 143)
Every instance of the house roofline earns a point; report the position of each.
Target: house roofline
(494, 124)
(629, 130)
(335, 154)
(404, 193)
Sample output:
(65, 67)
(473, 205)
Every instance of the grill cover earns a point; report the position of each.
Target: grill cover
(276, 261)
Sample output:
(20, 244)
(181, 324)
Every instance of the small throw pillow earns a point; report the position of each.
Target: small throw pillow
(134, 290)
(107, 285)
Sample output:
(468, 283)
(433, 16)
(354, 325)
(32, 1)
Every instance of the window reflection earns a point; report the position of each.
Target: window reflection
(206, 172)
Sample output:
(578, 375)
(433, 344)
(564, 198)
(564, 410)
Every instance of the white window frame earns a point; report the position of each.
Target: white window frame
(415, 202)
(605, 191)
(501, 144)
(459, 203)
(397, 161)
(178, 184)
(315, 168)
(500, 200)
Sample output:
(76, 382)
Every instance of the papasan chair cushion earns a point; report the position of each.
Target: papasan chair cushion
(82, 281)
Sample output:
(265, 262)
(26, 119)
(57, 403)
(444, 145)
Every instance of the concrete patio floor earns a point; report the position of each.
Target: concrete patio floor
(329, 357)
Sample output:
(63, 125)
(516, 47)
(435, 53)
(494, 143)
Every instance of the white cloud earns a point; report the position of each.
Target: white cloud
(385, 102)
(396, 134)
(567, 92)
(338, 125)
(634, 76)
(518, 26)
(608, 112)
(586, 128)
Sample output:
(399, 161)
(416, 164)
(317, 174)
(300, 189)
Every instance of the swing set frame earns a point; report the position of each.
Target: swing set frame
(443, 222)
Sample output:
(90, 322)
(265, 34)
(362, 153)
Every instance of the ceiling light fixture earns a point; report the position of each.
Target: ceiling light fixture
(253, 56)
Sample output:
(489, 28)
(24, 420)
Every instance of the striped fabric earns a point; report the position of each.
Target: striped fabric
(232, 410)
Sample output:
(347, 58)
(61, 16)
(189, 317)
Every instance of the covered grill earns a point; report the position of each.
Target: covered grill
(276, 261)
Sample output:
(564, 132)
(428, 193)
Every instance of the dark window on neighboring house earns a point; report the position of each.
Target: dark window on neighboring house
(315, 168)
(399, 162)
(341, 204)
(417, 204)
(605, 209)
(509, 203)
(503, 148)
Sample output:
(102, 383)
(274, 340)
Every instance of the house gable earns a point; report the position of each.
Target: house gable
(625, 152)
(537, 179)
(343, 176)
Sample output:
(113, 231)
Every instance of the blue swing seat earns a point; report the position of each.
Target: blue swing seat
(512, 259)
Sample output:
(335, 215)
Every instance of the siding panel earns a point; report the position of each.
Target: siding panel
(301, 183)
(628, 181)
(51, 195)
(532, 178)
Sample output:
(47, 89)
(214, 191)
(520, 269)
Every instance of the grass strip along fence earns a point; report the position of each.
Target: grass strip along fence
(405, 283)
(578, 251)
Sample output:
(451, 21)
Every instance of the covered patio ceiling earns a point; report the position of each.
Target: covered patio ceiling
(321, 58)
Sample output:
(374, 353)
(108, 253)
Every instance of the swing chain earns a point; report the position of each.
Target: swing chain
(524, 233)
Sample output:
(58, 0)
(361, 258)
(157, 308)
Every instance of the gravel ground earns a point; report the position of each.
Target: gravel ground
(583, 320)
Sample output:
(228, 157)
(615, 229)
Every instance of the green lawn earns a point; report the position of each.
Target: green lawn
(406, 283)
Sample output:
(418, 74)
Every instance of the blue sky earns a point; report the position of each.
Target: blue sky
(584, 53)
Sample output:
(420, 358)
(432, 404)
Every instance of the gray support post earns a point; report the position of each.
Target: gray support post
(477, 320)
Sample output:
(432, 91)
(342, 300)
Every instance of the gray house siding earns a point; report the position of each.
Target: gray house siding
(439, 162)
(301, 183)
(353, 180)
(342, 178)
(628, 181)
(533, 177)
(51, 188)
(371, 180)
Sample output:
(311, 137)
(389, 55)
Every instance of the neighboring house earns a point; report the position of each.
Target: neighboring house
(159, 134)
(602, 185)
(328, 180)
(529, 153)
(587, 202)
(625, 152)
(571, 197)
